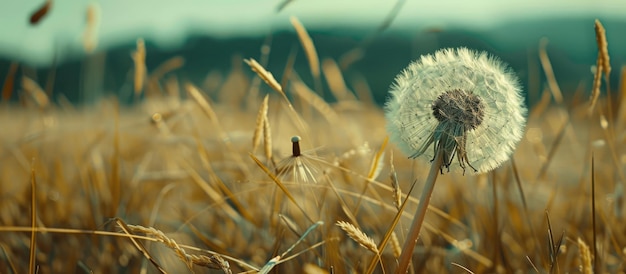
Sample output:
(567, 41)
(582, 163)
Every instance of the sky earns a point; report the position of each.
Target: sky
(169, 23)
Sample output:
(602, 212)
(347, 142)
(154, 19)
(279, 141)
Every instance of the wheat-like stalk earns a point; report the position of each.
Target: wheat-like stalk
(309, 47)
(260, 119)
(603, 51)
(358, 236)
(9, 81)
(396, 248)
(549, 72)
(585, 257)
(315, 101)
(36, 92)
(397, 192)
(139, 58)
(90, 35)
(603, 65)
(267, 76)
(595, 90)
(336, 82)
(267, 137)
(213, 261)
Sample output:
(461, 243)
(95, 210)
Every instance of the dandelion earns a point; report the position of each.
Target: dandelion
(455, 103)
(462, 102)
(298, 167)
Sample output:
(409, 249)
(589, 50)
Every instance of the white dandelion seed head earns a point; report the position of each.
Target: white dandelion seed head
(469, 96)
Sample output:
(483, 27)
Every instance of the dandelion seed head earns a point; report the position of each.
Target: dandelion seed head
(460, 107)
(466, 102)
(300, 166)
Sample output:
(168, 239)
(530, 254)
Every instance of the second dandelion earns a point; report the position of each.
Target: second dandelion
(456, 102)
(462, 102)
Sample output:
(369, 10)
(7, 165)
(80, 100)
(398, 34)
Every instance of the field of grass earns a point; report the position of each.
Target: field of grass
(206, 178)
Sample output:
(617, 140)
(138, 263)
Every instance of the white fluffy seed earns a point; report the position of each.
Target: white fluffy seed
(412, 125)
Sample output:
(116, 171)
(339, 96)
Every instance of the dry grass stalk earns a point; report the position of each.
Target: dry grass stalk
(541, 106)
(351, 57)
(253, 90)
(358, 52)
(271, 81)
(603, 51)
(291, 224)
(169, 65)
(172, 87)
(462, 267)
(234, 89)
(267, 138)
(9, 80)
(603, 65)
(336, 83)
(376, 166)
(139, 59)
(362, 89)
(269, 265)
(204, 104)
(206, 163)
(547, 68)
(396, 248)
(595, 90)
(265, 75)
(90, 36)
(282, 186)
(288, 70)
(33, 221)
(377, 162)
(315, 101)
(206, 107)
(115, 184)
(260, 118)
(584, 255)
(358, 236)
(397, 192)
(40, 13)
(139, 245)
(621, 116)
(309, 47)
(36, 92)
(283, 4)
(313, 269)
(8, 259)
(212, 81)
(214, 262)
(210, 191)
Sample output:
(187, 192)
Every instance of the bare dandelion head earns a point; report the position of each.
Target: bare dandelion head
(463, 102)
(299, 166)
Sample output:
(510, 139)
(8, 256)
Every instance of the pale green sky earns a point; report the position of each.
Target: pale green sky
(167, 23)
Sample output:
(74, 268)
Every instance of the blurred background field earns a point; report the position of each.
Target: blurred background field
(178, 154)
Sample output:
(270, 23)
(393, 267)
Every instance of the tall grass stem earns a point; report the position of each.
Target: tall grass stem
(420, 213)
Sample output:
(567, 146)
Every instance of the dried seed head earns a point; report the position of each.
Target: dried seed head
(299, 166)
(459, 107)
(465, 103)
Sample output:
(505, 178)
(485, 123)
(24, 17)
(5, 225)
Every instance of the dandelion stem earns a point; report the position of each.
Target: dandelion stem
(420, 213)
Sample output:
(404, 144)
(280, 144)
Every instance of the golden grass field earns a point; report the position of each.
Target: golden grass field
(183, 183)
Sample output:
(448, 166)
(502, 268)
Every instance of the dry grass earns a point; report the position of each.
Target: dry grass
(90, 34)
(176, 186)
(358, 236)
